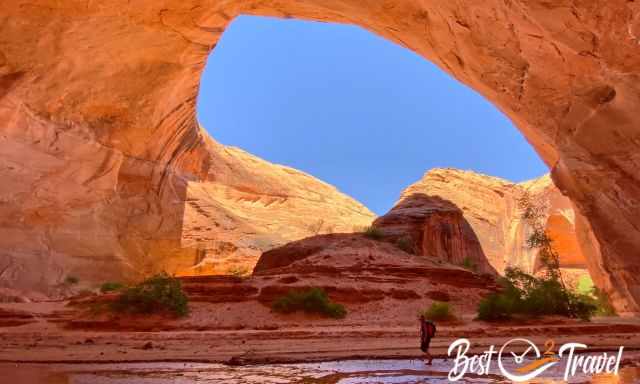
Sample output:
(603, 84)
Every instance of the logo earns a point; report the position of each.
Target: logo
(526, 371)
(521, 360)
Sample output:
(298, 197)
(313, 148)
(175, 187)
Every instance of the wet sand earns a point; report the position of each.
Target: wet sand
(385, 371)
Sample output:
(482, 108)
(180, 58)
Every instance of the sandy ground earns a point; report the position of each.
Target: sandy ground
(313, 339)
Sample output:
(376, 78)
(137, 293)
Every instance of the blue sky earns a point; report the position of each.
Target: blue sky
(352, 109)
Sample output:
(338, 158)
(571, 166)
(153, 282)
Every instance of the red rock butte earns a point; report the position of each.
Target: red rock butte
(100, 141)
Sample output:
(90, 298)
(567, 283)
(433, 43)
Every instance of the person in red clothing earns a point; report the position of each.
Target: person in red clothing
(427, 332)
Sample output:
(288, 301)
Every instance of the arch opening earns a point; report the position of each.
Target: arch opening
(353, 109)
(320, 104)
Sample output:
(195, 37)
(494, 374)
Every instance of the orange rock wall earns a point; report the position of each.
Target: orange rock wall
(435, 229)
(246, 205)
(490, 206)
(119, 79)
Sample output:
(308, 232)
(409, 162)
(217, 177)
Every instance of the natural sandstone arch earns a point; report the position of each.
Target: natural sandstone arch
(99, 137)
(560, 229)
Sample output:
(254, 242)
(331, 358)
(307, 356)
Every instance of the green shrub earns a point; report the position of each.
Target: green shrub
(111, 286)
(373, 233)
(239, 271)
(528, 295)
(71, 280)
(583, 307)
(547, 298)
(312, 300)
(533, 296)
(589, 293)
(156, 294)
(406, 244)
(495, 307)
(438, 311)
(602, 302)
(469, 264)
(585, 285)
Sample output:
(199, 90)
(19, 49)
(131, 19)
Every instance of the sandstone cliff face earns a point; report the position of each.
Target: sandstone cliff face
(461, 217)
(490, 206)
(99, 138)
(96, 218)
(245, 206)
(436, 229)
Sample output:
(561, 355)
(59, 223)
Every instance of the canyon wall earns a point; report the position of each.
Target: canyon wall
(76, 208)
(490, 206)
(99, 138)
(245, 206)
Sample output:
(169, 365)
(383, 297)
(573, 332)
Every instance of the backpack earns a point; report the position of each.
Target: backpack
(431, 329)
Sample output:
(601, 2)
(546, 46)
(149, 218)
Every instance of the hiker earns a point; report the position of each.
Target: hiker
(427, 332)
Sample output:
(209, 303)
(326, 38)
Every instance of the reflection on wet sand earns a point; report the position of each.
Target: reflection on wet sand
(334, 372)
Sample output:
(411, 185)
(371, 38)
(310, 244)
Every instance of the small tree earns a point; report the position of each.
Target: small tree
(526, 294)
(534, 213)
(534, 296)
